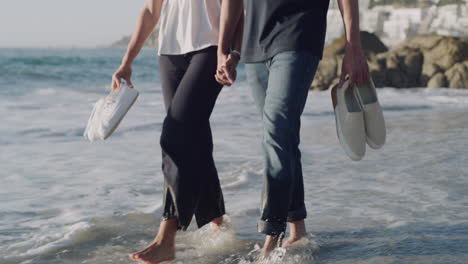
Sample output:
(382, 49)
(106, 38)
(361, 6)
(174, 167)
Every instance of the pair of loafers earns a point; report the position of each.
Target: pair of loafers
(359, 118)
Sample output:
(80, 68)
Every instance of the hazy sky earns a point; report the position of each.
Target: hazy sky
(65, 23)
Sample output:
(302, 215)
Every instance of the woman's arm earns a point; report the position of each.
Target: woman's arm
(354, 61)
(147, 20)
(230, 38)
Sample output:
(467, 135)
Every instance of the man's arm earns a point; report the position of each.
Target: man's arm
(147, 20)
(238, 34)
(354, 61)
(231, 13)
(230, 38)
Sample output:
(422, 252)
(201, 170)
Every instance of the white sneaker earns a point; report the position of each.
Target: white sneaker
(109, 111)
(349, 120)
(373, 116)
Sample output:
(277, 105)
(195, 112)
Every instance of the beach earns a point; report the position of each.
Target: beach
(66, 200)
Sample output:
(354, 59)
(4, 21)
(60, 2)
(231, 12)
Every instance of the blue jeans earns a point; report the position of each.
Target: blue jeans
(280, 86)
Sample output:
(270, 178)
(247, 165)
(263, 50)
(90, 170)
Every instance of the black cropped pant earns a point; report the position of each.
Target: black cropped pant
(191, 180)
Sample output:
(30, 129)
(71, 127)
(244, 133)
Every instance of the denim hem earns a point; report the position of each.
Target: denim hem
(275, 229)
(297, 215)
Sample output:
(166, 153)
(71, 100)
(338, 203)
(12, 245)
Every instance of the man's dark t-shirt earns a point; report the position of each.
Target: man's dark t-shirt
(273, 26)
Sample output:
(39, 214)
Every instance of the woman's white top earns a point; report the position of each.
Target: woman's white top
(188, 25)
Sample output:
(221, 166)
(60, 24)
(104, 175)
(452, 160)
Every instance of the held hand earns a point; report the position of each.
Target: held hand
(355, 67)
(123, 72)
(226, 72)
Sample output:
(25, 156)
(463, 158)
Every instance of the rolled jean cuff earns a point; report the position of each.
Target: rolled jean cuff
(275, 229)
(297, 215)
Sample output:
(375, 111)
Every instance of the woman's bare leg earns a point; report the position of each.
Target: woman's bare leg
(217, 223)
(297, 231)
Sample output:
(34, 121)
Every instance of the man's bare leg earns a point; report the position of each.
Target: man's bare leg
(271, 243)
(162, 248)
(297, 231)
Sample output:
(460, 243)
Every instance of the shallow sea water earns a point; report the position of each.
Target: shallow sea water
(65, 200)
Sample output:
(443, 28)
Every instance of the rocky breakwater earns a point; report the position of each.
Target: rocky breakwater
(423, 61)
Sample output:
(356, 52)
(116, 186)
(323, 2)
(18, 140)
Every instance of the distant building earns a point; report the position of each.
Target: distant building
(403, 23)
(450, 20)
(395, 22)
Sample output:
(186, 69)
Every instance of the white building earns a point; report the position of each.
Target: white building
(403, 23)
(335, 28)
(372, 20)
(450, 20)
(396, 24)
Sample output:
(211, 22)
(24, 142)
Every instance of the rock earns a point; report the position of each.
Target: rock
(335, 48)
(428, 71)
(334, 82)
(458, 75)
(437, 81)
(371, 44)
(392, 60)
(395, 78)
(404, 67)
(443, 51)
(426, 42)
(378, 72)
(326, 72)
(426, 60)
(412, 61)
(448, 52)
(339, 65)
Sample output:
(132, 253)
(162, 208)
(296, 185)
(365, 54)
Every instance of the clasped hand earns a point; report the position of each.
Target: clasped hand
(226, 72)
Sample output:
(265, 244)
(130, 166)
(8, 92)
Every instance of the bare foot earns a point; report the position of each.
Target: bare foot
(290, 242)
(132, 255)
(217, 223)
(162, 248)
(270, 244)
(297, 232)
(155, 253)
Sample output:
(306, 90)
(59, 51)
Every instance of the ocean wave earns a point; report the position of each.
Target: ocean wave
(45, 60)
(143, 127)
(241, 180)
(126, 233)
(303, 251)
(30, 69)
(450, 99)
(95, 232)
(78, 233)
(399, 108)
(49, 133)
